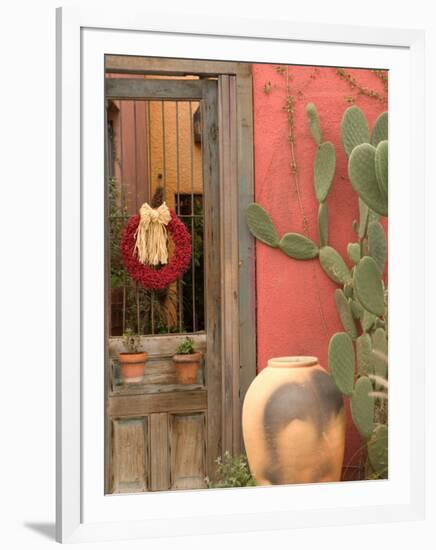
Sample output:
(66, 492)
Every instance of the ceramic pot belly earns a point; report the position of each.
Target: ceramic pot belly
(293, 423)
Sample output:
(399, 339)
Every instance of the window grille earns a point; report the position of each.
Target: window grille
(154, 154)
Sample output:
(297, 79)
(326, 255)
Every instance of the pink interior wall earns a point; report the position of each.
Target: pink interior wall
(293, 297)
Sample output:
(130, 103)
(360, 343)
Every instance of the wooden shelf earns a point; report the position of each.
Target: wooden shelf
(140, 388)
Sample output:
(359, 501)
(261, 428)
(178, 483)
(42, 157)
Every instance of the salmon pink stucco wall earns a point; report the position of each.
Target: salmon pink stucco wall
(296, 313)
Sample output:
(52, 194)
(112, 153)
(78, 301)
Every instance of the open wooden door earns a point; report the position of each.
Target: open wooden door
(161, 435)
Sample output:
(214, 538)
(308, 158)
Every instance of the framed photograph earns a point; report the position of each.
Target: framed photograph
(226, 318)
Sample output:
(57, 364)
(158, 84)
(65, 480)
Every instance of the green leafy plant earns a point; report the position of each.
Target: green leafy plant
(362, 301)
(186, 347)
(131, 341)
(117, 220)
(232, 472)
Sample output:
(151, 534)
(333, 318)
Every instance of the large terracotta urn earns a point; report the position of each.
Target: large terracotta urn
(293, 423)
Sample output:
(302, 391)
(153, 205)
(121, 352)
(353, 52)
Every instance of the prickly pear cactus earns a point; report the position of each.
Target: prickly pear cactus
(368, 286)
(381, 167)
(378, 451)
(324, 170)
(298, 247)
(380, 130)
(342, 362)
(354, 129)
(348, 290)
(380, 352)
(334, 266)
(362, 301)
(362, 407)
(368, 321)
(261, 226)
(353, 250)
(363, 177)
(345, 313)
(314, 125)
(377, 244)
(323, 224)
(357, 309)
(364, 354)
(363, 218)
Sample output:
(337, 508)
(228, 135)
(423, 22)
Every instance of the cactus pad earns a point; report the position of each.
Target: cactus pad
(298, 246)
(354, 129)
(377, 244)
(380, 352)
(363, 218)
(378, 451)
(381, 167)
(368, 286)
(261, 226)
(333, 264)
(314, 125)
(361, 170)
(353, 250)
(362, 407)
(342, 362)
(380, 130)
(356, 309)
(373, 216)
(364, 354)
(323, 227)
(345, 314)
(324, 169)
(367, 321)
(348, 290)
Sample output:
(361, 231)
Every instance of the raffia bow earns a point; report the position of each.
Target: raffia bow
(151, 235)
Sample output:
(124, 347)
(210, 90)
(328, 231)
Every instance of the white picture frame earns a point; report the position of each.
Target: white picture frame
(83, 512)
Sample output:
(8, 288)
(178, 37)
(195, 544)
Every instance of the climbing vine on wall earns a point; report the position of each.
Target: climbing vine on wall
(366, 91)
(294, 94)
(289, 106)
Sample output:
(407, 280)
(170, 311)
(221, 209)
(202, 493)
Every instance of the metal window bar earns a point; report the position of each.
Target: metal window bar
(164, 174)
(138, 319)
(179, 282)
(191, 132)
(139, 305)
(123, 209)
(150, 194)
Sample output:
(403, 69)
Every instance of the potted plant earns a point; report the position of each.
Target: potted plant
(132, 361)
(187, 362)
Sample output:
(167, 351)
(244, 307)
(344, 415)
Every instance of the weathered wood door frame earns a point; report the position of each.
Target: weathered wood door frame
(234, 245)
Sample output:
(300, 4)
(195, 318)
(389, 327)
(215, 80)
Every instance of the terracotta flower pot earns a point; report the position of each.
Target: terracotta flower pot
(132, 367)
(293, 423)
(187, 366)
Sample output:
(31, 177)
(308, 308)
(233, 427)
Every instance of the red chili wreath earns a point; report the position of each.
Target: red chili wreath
(150, 277)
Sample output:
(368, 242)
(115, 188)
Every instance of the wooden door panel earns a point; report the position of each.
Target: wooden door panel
(188, 452)
(160, 457)
(141, 404)
(158, 345)
(130, 455)
(160, 370)
(166, 90)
